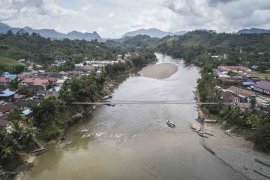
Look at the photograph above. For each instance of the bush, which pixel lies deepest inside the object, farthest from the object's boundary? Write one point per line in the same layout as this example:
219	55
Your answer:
262	137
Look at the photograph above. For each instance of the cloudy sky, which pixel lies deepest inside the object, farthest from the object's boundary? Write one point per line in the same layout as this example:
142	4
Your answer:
112	18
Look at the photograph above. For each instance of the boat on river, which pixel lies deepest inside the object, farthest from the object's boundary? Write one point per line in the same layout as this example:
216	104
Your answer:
170	124
106	97
195	126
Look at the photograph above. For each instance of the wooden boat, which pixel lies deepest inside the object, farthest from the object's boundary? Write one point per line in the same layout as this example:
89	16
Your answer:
170	124
195	127
202	134
262	162
106	97
210	121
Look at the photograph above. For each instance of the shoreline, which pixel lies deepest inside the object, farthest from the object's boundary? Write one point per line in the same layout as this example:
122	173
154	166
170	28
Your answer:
30	159
234	151
237	152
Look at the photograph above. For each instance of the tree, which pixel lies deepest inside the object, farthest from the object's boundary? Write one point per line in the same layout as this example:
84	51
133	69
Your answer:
253	103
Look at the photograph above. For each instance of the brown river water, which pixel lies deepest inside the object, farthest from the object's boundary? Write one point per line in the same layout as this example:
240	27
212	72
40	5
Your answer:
133	141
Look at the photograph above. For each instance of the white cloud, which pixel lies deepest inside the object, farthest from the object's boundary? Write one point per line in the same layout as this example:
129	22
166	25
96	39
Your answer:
87	7
169	15
110	15
100	30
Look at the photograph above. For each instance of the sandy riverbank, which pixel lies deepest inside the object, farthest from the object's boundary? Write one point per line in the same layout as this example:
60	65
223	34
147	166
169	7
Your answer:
237	153
159	71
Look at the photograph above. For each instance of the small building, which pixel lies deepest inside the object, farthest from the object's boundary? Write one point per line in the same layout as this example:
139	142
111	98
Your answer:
248	83
54	91
5	108
235	69
3	120
4	80
243	94
18	97
10	76
27	112
35	82
262	87
229	97
7	95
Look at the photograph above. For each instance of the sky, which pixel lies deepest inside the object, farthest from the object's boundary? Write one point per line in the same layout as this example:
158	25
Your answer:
113	18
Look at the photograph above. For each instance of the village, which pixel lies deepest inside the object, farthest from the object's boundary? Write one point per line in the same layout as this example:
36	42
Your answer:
240	86
29	88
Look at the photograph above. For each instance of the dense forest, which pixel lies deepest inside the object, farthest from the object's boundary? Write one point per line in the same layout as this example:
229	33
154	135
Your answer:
232	49
45	51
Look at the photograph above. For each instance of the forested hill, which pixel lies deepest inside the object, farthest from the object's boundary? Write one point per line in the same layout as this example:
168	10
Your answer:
247	49
244	48
133	43
45	51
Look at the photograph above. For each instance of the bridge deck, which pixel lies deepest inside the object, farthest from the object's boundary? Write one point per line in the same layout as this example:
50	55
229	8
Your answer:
115	102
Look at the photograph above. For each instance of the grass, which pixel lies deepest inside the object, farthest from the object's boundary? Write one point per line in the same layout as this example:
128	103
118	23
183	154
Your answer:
261	75
11	65
4	61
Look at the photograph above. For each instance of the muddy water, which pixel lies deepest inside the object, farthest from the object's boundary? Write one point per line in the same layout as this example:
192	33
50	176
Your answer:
133	141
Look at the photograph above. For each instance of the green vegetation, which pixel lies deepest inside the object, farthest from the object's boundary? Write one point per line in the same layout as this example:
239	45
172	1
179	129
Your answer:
254	123
195	46
45	51
16	138
85	88
54	114
262	75
11	65
198	47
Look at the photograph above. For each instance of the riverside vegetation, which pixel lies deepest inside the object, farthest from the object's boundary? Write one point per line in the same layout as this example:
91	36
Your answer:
248	49
53	115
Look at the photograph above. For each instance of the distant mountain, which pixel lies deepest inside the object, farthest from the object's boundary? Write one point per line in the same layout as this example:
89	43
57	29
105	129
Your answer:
51	33
153	32
253	31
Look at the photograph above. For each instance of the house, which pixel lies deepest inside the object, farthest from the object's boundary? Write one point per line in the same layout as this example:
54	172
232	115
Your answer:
229	97
248	83
235	69
4	80
10	76
60	82
243	94
21	104
27	112
18	97
7	95
5	108
262	87
3	120
35	82
21	60
87	68
54	91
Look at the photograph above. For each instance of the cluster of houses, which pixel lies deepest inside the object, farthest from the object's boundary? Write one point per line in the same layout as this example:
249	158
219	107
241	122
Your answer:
36	84
240	86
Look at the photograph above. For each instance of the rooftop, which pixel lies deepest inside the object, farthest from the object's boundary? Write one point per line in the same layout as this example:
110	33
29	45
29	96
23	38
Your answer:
6	107
4	80
240	91
7	93
263	85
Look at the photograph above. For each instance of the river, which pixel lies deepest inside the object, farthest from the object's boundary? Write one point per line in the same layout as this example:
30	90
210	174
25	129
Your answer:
133	141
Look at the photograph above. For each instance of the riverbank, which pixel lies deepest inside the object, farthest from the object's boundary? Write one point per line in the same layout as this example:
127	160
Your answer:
112	81
133	141
159	71
234	150
237	152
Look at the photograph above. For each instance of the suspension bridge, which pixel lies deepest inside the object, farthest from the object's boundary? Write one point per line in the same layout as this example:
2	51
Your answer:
130	102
